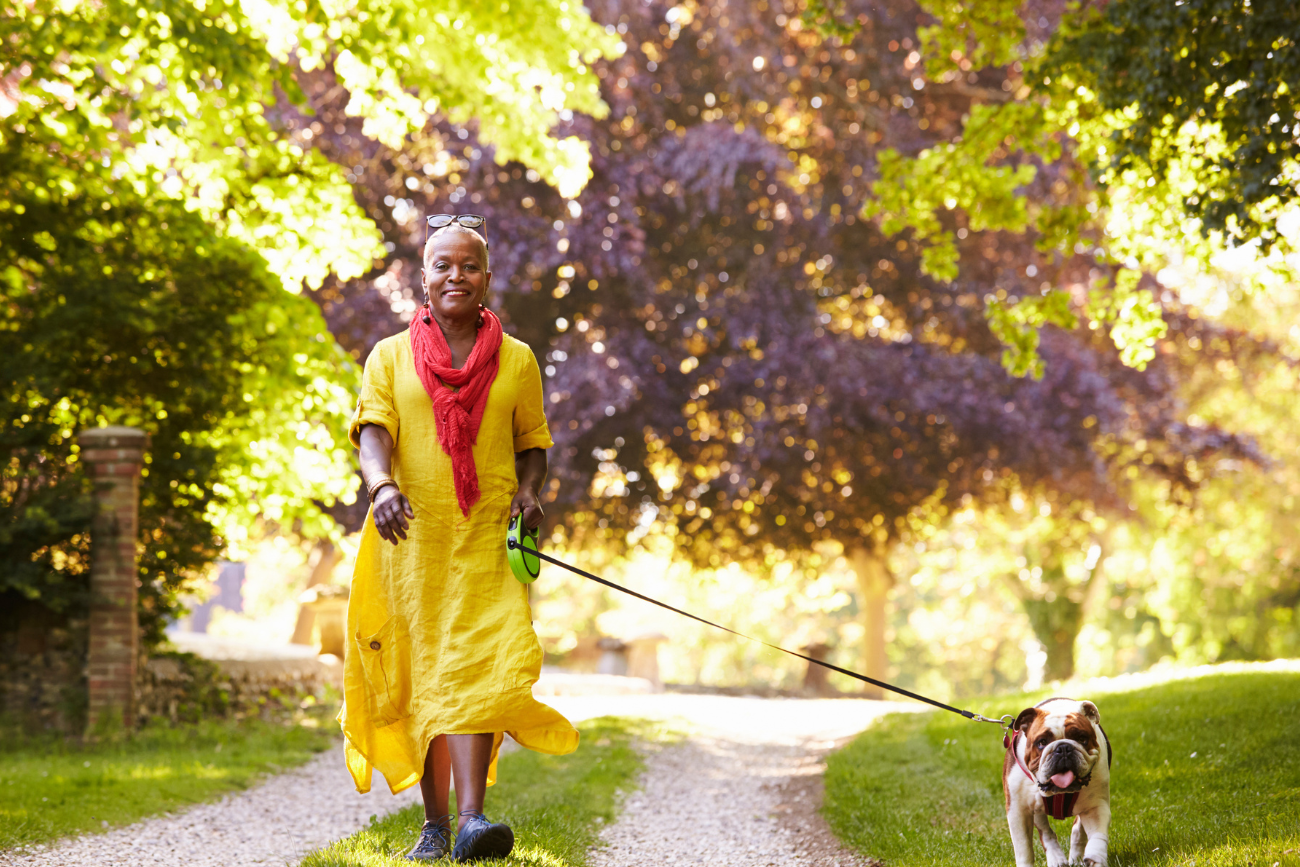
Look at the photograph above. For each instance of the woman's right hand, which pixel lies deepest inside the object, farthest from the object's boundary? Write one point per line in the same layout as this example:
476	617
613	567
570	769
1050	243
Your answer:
393	513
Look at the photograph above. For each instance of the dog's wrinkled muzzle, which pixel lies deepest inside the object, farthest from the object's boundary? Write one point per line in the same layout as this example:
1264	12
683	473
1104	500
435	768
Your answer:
1066	770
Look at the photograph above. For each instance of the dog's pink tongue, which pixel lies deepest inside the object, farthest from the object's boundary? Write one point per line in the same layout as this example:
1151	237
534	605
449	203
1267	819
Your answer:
1062	781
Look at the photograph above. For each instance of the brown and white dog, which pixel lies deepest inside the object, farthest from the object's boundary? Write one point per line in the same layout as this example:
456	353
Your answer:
1058	763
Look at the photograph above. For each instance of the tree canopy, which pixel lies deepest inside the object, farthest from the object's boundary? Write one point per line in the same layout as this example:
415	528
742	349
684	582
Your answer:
1175	121
735	357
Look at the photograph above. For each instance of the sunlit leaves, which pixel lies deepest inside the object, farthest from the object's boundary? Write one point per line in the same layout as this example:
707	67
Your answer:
141	315
513	70
1017	326
1184	119
1134	317
913	193
982	32
1226	64
175	99
173	103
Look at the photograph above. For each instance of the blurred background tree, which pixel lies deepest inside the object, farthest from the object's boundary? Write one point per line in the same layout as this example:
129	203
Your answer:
737	360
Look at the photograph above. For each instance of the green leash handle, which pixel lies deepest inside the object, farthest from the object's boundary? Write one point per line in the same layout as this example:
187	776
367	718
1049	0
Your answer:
521	551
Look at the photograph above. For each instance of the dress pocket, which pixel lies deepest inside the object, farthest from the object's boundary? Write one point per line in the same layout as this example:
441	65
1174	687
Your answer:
386	658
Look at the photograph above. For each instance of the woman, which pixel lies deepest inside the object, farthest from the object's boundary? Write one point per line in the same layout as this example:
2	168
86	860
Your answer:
453	440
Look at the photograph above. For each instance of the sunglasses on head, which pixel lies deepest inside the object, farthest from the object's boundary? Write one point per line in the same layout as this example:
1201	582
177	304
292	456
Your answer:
469	221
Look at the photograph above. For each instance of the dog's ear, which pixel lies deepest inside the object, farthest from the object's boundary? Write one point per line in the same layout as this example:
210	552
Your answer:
1026	719
1091	712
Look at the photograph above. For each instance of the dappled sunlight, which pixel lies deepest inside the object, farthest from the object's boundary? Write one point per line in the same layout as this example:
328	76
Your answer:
65	789
1283	851
536	856
1171	673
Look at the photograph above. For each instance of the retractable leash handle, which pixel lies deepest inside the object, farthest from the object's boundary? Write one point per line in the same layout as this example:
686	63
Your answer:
521	551
518	550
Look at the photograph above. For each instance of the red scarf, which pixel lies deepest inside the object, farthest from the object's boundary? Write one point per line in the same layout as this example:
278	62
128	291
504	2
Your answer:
458	414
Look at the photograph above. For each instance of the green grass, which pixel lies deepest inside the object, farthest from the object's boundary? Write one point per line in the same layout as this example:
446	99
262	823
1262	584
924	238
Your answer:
50	788
1206	773
556	805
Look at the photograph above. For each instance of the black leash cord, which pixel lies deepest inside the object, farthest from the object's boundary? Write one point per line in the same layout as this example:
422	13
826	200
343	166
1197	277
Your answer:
971	715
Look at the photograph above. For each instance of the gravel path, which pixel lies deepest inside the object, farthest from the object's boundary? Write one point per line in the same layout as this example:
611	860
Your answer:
723	803
274	823
743	790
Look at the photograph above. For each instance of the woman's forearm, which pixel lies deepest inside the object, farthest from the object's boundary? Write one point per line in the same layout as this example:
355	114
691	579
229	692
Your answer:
530	469
391	509
376	452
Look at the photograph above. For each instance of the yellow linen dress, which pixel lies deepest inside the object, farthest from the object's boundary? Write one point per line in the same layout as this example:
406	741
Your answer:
442	637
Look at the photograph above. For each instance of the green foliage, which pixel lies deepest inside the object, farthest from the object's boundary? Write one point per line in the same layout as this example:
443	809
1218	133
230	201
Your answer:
1228	67
982	32
170	101
153	202
52	788
554	804
511	67
176	99
911	193
1017	326
927	788
1182	116
1135	317
138	315
829	19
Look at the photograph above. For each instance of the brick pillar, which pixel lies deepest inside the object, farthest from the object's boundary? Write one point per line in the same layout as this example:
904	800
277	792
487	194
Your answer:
113	456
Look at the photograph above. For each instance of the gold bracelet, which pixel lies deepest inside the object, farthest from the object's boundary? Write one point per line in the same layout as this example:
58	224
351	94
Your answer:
380	481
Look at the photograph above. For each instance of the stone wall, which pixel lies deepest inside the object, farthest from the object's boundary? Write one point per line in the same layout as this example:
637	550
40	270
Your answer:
43	669
43	666
89	671
182	687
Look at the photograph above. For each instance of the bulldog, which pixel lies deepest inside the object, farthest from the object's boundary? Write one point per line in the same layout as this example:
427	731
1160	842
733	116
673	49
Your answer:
1058	764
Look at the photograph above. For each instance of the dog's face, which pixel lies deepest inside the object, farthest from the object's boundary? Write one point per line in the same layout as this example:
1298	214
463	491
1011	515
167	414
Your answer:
1063	743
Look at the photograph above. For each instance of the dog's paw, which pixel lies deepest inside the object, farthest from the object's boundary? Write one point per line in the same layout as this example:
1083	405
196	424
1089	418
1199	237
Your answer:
1093	862
1057	859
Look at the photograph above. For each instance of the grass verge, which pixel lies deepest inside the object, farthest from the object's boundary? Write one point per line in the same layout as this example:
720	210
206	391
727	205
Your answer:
50	788
556	805
1206	773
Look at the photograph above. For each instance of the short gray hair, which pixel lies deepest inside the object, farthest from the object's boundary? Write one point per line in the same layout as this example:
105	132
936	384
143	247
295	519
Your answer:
456	228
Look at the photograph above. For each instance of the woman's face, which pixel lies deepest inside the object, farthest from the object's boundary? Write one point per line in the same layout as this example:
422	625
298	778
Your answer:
454	277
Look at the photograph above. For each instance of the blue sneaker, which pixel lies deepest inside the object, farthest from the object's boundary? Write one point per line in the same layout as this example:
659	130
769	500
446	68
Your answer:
435	840
477	839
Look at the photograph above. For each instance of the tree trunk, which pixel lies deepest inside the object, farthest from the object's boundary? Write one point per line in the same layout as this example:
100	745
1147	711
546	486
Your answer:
327	558
1057	615
874	582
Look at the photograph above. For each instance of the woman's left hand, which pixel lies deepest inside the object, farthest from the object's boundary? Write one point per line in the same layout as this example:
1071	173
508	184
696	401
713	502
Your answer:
525	502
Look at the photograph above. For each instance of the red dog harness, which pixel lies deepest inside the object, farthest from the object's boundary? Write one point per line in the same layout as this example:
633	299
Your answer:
1059	805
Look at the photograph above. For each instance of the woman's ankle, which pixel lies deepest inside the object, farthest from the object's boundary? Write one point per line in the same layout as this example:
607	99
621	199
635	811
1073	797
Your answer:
443	820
